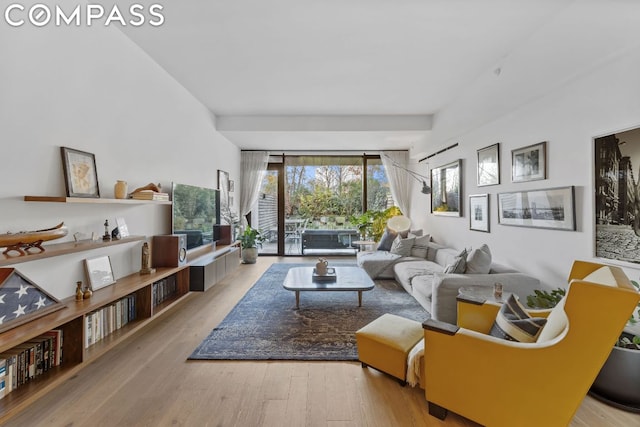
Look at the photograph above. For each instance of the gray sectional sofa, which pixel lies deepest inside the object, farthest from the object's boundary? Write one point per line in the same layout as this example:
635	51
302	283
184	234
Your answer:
429	281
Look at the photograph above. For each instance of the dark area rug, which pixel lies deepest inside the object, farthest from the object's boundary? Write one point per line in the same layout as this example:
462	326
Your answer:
265	325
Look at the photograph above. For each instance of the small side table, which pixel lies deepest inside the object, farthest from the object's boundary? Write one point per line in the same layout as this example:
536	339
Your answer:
481	294
363	244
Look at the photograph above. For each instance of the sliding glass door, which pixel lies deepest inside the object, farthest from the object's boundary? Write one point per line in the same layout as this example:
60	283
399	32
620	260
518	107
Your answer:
311	205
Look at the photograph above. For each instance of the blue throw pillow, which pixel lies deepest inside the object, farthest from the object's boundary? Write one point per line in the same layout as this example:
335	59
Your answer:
386	240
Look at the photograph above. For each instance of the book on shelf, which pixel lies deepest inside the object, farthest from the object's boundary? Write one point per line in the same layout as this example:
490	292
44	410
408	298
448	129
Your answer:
150	195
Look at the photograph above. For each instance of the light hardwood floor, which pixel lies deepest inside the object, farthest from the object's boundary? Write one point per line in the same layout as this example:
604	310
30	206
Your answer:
147	381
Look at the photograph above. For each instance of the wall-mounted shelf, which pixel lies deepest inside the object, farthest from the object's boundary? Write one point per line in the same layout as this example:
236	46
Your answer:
89	200
65	248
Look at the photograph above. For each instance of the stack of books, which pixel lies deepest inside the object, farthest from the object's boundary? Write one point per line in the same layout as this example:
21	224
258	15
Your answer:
150	195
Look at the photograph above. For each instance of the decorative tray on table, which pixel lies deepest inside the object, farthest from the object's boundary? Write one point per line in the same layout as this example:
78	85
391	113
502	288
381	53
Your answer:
329	277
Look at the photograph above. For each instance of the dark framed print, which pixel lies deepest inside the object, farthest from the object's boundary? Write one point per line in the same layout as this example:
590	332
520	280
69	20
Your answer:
529	163
446	182
489	165
616	194
223	186
80	173
552	208
479	212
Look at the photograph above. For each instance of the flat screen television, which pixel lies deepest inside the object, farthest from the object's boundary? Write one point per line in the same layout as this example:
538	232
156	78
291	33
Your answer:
195	212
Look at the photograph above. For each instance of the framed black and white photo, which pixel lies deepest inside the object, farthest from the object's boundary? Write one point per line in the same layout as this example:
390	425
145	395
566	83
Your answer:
529	163
552	208
446	182
489	165
80	174
99	272
479	212
617	196
223	186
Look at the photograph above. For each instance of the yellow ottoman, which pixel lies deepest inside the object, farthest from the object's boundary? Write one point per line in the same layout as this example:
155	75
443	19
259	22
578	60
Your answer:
384	344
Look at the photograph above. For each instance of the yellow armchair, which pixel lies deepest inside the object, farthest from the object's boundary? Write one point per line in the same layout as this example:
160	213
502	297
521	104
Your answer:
504	383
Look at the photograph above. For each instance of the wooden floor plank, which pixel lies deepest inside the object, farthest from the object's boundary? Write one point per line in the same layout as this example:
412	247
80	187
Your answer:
148	381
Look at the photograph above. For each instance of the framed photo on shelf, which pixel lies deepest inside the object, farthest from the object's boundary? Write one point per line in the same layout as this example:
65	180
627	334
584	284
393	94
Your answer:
446	188
99	272
80	173
552	208
489	165
529	163
479	212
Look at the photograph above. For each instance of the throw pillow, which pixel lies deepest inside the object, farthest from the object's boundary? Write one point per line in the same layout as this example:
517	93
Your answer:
459	264
513	323
420	246
479	261
386	240
402	246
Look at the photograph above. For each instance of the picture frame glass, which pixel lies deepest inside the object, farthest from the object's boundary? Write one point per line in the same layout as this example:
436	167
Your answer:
81	176
552	208
617	196
529	163
479	212
489	165
223	186
99	272
446	189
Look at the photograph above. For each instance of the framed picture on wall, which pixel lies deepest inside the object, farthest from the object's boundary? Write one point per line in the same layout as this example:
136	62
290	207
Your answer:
479	212
80	174
223	186
549	208
616	194
489	165
446	182
529	163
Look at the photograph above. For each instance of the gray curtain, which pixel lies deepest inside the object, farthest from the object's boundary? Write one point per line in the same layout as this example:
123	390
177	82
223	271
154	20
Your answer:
399	180
253	166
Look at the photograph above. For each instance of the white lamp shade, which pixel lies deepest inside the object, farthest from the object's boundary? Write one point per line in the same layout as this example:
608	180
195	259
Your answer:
399	223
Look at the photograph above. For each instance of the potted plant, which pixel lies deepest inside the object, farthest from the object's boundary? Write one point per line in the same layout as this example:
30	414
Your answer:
250	240
618	382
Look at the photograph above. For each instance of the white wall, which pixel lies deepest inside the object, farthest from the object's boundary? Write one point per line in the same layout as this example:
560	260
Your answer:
92	89
604	101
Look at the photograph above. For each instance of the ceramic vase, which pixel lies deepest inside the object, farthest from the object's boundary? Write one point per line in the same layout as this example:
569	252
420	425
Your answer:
120	189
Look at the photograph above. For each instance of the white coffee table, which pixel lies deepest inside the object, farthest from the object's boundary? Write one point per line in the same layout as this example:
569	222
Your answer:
300	279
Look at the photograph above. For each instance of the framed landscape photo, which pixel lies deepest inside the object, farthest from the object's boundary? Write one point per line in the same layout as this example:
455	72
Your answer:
529	163
479	212
99	272
80	173
552	208
489	165
446	182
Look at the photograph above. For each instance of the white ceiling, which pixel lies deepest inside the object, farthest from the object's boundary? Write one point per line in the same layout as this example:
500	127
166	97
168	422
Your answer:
287	60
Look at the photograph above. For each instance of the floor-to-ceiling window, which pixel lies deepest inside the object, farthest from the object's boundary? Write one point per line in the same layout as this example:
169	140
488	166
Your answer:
309	204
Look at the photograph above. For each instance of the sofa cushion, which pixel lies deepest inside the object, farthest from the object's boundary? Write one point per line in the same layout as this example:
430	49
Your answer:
457	265
421	246
445	256
423	285
402	246
479	261
405	272
513	323
386	240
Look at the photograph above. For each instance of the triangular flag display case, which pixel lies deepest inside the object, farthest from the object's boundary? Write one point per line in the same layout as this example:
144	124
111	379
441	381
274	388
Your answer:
21	300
